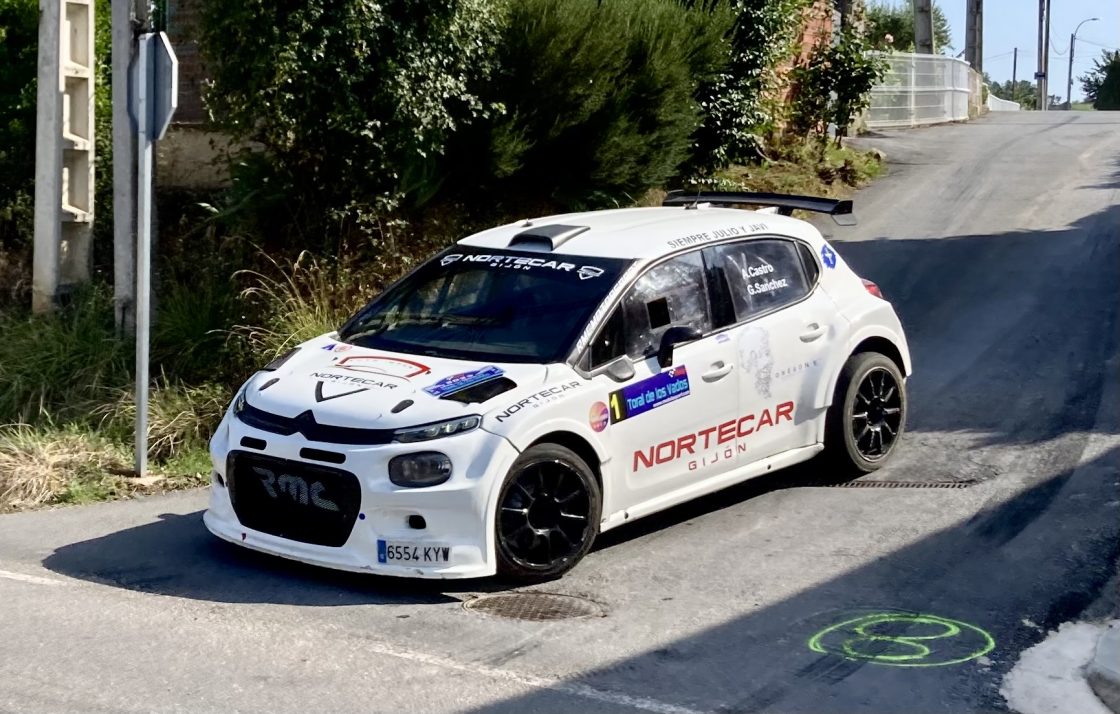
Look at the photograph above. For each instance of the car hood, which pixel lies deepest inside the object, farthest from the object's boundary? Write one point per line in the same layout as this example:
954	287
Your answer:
350	386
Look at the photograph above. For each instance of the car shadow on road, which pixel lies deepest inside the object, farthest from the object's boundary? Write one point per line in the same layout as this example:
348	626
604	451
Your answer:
1011	572
177	556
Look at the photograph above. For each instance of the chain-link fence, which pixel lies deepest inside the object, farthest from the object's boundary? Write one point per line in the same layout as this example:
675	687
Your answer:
924	89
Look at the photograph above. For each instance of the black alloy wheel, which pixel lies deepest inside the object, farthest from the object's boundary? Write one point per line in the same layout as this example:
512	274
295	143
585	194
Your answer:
867	416
876	419
548	513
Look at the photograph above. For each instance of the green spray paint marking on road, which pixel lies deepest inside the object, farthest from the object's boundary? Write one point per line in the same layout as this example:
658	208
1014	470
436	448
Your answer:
903	639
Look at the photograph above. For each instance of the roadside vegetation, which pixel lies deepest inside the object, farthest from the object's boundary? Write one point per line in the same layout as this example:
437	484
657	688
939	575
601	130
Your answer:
380	134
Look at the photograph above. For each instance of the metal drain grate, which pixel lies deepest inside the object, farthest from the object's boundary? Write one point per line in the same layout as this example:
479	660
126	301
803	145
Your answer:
535	607
904	484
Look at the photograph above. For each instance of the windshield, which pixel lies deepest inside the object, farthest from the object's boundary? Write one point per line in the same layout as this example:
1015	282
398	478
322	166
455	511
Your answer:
502	306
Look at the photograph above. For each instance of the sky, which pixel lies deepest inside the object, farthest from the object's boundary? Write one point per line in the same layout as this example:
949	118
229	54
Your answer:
1014	23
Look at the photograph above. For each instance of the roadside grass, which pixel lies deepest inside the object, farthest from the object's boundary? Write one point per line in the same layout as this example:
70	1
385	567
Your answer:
44	466
67	396
1082	107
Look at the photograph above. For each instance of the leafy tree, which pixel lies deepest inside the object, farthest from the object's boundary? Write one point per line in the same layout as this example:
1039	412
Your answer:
1102	83
599	101
897	21
735	100
834	84
351	100
19	40
1024	92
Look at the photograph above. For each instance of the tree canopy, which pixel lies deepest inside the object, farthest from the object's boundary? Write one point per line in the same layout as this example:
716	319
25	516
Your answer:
898	22
1102	83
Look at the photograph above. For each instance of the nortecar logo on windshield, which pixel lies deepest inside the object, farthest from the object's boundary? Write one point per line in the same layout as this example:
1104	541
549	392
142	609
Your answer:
514	262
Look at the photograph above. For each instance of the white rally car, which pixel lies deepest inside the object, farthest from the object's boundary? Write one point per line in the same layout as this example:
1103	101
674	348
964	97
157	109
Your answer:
544	381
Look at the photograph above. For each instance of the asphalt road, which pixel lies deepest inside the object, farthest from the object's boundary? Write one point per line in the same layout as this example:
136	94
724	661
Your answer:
997	242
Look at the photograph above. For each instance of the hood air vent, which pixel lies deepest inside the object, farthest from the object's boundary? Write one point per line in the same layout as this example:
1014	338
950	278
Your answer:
480	393
546	237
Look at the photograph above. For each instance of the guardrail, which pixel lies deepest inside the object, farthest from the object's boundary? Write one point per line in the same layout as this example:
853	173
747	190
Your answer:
995	104
924	89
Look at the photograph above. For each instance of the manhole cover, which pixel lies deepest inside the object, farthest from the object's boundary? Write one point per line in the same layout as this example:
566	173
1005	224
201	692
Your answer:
535	606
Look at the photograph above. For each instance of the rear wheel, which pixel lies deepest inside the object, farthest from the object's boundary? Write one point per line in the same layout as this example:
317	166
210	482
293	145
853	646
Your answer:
548	513
868	414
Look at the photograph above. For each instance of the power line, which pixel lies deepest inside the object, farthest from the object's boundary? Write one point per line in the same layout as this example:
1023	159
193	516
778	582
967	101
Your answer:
1090	42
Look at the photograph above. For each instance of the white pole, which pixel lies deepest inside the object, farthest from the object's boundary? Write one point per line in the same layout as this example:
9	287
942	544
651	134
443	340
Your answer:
48	160
144	97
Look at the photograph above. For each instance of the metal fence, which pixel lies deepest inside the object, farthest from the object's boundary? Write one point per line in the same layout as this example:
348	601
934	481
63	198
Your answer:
995	104
924	89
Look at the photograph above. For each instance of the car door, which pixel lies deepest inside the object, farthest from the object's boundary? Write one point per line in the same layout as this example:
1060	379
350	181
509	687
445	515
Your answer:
664	421
784	329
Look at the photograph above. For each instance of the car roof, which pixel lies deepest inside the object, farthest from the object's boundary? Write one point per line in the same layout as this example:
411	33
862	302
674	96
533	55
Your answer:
637	233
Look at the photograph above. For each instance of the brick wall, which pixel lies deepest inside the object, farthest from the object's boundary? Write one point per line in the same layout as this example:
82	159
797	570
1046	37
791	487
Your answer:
182	29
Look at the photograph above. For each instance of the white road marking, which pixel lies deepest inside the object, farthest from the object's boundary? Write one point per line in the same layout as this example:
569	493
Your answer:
34	579
556	685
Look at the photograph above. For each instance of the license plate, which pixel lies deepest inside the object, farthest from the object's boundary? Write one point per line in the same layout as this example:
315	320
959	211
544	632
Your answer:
412	553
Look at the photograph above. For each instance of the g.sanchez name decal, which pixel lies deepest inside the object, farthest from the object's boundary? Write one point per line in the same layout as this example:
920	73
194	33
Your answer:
535	400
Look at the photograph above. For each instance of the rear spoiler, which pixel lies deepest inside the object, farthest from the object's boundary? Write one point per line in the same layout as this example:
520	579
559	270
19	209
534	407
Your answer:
785	203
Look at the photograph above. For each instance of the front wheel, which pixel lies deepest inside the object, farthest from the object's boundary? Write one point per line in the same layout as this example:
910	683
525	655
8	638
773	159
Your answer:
868	414
548	513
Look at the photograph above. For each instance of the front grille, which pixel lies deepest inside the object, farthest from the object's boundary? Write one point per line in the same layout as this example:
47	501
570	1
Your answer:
302	502
312	430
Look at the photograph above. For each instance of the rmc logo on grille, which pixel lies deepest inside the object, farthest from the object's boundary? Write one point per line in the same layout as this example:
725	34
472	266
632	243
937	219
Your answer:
295	488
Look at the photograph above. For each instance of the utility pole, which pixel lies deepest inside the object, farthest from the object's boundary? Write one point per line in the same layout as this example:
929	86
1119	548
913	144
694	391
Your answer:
1069	77
923	27
974	35
124	169
64	150
1040	75
1015	75
1046	61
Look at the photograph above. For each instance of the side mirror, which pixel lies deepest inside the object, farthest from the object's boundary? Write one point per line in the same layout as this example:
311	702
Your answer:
675	336
621	370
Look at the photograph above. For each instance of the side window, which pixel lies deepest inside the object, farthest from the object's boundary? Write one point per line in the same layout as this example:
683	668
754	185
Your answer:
809	260
761	275
669	294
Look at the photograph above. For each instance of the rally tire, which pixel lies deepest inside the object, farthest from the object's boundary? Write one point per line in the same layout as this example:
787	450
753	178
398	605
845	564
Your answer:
867	417
548	513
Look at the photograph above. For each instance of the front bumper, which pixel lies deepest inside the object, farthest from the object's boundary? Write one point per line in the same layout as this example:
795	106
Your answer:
457	514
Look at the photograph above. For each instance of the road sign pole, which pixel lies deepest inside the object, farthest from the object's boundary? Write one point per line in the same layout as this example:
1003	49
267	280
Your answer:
155	96
143	94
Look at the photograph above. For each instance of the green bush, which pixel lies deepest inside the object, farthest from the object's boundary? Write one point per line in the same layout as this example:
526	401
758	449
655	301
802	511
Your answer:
739	103
350	100
19	41
833	85
599	100
55	367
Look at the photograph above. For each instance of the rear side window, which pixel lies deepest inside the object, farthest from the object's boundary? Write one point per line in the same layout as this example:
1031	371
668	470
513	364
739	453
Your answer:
760	275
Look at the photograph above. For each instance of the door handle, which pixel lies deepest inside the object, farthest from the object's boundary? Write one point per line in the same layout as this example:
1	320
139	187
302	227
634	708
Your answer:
813	331
719	370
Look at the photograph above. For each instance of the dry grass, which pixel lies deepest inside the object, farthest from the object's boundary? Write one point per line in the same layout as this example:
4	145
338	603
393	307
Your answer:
46	466
181	417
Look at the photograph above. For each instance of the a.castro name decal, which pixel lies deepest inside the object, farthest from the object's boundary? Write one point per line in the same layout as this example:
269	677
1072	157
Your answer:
704	445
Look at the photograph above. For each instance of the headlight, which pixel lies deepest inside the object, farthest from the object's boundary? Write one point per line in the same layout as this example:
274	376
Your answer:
436	431
426	468
238	404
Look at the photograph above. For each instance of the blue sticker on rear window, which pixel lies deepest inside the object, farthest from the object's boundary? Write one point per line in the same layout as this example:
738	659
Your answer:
828	256
459	382
640	397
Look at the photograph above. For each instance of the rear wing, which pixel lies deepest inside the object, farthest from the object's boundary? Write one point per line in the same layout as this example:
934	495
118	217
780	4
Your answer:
785	203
